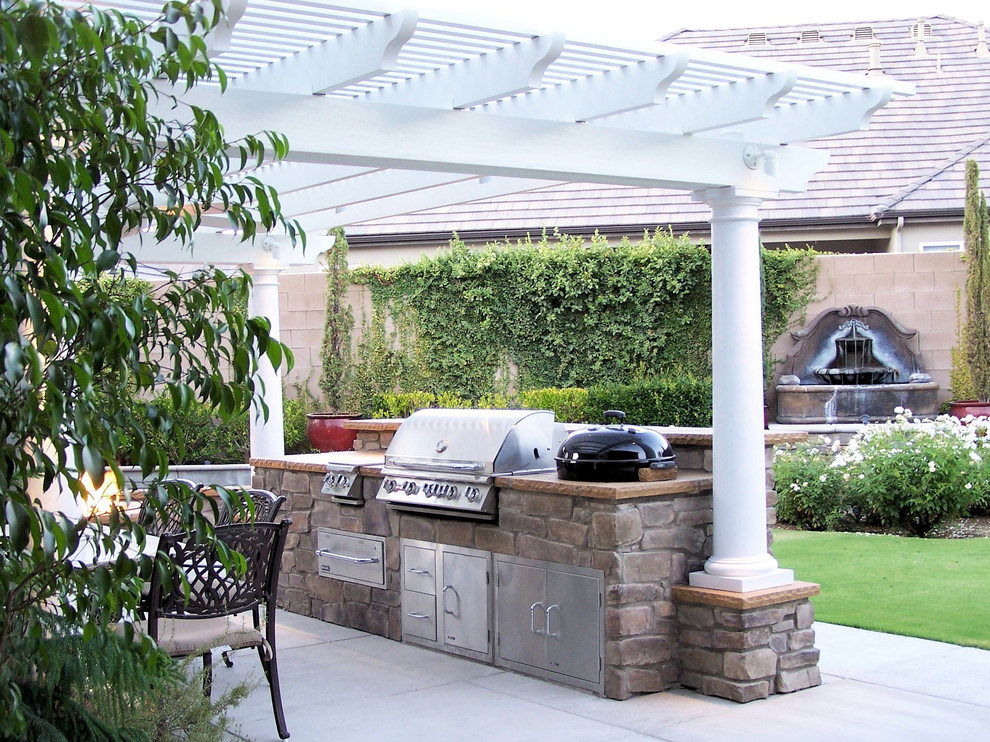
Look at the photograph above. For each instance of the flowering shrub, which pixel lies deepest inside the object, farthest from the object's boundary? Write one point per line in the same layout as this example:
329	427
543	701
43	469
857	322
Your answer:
810	493
907	472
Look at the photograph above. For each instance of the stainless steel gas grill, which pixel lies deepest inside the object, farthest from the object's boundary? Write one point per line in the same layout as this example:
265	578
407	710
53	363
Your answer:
445	461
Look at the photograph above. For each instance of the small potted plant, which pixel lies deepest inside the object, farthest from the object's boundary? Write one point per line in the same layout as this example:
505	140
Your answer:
325	429
970	377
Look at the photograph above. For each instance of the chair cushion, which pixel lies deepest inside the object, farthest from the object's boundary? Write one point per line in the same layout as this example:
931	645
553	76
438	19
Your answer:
181	637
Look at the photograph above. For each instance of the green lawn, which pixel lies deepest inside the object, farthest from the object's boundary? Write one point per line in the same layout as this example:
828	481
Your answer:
932	588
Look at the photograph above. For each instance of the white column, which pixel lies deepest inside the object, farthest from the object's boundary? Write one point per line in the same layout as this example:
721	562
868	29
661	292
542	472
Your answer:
267	436
740	561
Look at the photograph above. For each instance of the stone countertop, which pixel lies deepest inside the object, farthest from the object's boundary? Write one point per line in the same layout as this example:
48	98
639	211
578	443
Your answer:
675	436
369	462
687	482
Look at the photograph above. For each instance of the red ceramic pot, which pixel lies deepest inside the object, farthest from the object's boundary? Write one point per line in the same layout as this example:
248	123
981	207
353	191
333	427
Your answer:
969	407
326	431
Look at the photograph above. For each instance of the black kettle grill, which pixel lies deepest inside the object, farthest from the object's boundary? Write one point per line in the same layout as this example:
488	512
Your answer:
612	453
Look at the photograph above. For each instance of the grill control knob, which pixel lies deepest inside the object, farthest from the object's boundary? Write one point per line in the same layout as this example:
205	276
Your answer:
451	492
429	489
471	493
388	485
410	488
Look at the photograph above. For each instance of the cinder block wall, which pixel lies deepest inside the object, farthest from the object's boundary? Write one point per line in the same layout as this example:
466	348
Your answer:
918	289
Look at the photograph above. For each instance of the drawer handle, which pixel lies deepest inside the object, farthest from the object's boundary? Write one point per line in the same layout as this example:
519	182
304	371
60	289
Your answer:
552	634
532	618
347	558
416	571
420	616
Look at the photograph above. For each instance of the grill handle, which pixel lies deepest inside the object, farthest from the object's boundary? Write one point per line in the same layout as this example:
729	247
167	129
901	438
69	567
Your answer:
396	461
345	557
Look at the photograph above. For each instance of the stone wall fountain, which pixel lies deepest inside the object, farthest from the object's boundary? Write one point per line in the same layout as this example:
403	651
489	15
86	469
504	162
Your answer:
853	364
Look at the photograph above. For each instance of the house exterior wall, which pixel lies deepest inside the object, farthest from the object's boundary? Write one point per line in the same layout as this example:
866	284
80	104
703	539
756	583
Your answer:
918	289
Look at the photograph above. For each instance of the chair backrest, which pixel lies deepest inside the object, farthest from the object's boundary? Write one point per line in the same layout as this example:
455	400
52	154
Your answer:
171	519
266	507
214	590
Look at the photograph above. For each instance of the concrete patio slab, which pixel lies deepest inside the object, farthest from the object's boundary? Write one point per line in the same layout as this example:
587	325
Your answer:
338	683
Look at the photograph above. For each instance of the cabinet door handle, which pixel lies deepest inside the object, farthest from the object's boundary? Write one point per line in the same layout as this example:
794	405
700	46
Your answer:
416	571
420	616
443	595
532	618
551	634
346	557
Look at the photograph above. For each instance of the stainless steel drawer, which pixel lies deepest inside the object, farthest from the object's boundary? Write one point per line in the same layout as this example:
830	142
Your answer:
351	557
419	569
419	616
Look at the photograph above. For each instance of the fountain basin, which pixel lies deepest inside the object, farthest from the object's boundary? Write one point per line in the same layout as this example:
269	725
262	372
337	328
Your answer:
849	403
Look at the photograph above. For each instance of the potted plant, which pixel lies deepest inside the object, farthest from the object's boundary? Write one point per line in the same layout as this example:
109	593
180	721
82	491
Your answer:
970	377
325	429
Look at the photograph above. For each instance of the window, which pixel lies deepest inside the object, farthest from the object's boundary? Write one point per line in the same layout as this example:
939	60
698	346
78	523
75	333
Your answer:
940	246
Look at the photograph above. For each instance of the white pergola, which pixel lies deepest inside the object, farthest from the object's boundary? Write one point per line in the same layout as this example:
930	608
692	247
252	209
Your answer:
389	111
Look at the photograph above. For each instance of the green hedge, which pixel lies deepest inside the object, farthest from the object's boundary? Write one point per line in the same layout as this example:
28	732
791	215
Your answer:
681	400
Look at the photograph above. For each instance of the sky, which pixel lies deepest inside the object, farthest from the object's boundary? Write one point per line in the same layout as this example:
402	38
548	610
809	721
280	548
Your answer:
649	19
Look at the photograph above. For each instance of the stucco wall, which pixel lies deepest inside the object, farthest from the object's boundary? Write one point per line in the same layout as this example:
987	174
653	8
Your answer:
918	289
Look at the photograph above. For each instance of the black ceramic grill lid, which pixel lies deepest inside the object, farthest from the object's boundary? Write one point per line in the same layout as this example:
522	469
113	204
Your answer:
612	452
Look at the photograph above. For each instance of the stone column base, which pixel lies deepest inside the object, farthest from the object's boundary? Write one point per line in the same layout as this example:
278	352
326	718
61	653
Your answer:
746	646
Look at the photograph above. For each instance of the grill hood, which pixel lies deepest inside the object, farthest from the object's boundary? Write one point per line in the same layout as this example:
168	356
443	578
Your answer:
478	442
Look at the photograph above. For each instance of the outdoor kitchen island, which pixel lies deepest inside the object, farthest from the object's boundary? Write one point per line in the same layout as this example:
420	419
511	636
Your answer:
572	581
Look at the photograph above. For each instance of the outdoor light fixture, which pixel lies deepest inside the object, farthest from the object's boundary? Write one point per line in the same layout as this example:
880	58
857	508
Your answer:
99	501
752	155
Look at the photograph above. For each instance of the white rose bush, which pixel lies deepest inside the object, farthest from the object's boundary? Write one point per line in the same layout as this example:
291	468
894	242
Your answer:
907	473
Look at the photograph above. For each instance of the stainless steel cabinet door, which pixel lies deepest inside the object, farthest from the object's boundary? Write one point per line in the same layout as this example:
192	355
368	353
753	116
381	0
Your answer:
463	600
573	624
521	613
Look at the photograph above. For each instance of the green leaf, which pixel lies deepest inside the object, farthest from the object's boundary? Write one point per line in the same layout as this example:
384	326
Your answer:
18	524
93	464
33	34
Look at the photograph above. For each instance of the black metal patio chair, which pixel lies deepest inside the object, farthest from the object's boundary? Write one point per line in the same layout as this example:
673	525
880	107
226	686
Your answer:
223	609
266	507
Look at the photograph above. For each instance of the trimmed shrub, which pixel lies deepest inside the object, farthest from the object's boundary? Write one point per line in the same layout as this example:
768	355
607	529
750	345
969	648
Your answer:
569	405
206	438
680	399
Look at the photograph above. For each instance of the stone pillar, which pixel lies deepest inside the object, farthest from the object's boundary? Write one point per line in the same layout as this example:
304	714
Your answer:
747	647
267	436
740	561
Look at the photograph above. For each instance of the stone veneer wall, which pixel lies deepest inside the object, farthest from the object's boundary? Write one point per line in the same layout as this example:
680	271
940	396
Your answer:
746	648
646	547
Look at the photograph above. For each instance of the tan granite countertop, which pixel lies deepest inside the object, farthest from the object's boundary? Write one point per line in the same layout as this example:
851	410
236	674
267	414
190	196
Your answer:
687	482
370	462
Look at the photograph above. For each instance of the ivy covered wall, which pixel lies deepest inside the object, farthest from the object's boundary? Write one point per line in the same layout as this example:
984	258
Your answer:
554	313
